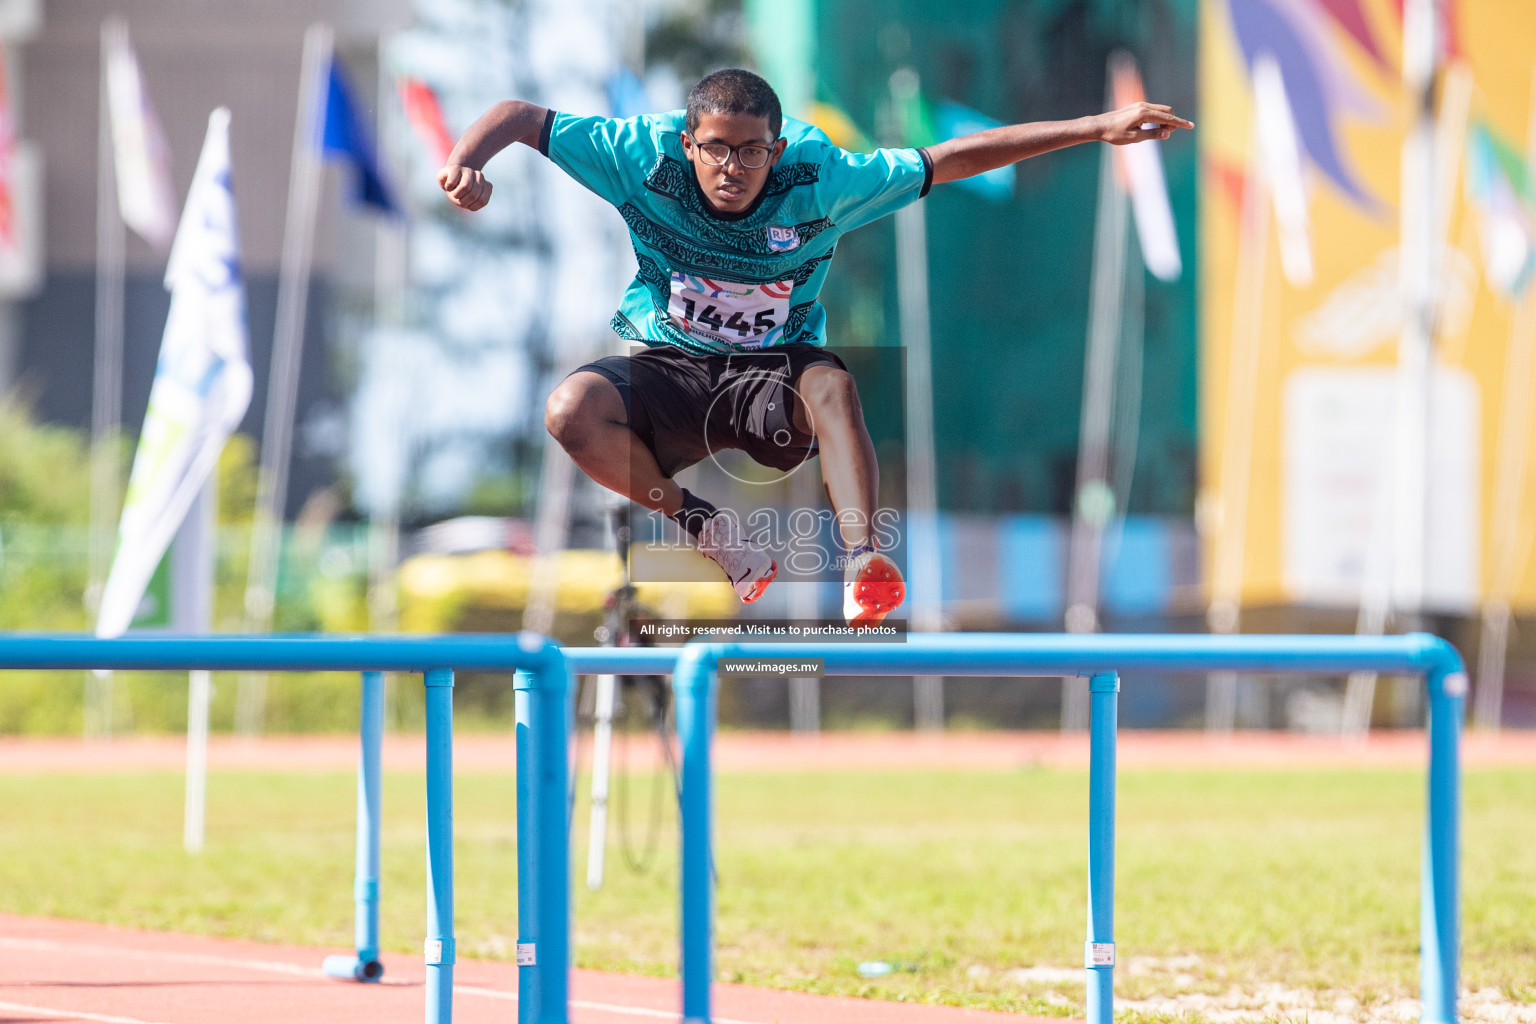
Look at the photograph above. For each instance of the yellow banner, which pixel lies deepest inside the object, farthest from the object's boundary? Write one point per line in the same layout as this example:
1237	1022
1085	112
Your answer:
1303	307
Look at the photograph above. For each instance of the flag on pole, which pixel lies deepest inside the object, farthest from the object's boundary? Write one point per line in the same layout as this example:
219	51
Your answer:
341	134
1500	188
838	126
1140	167
924	123
142	162
202	381
627	96
10	232
1281	147
1447	35
425	115
954	120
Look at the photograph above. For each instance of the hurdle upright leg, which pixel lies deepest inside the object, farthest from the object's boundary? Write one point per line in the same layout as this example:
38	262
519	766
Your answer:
365	966
1099	958
544	721
440	952
694	687
1440	899
369	798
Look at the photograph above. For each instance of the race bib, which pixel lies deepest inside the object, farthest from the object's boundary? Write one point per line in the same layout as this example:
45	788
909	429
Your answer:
734	315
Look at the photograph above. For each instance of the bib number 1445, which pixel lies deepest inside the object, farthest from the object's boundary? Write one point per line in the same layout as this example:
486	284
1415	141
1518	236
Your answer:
737	315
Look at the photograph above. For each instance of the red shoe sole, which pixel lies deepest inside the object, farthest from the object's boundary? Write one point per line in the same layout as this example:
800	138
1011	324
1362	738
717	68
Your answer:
762	584
877	598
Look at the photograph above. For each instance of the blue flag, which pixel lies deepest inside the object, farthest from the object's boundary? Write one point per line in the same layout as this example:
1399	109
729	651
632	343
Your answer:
626	94
342	135
954	120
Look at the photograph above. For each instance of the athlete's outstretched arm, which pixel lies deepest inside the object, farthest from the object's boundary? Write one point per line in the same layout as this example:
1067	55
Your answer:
507	122
998	147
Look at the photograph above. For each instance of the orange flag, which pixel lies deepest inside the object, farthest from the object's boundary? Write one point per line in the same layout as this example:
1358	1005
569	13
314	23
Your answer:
426	117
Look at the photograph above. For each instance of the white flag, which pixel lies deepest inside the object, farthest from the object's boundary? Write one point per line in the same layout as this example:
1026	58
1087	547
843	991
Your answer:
202	382
1281	148
142	162
1141	171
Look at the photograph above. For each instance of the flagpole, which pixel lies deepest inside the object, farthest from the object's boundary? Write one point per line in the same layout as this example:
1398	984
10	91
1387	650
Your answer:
1449	139
1509	488
202	388
1418	220
1243	361
391	271
390	281
287	356
192	568
106	382
804	604
557	481
557	472
924	560
1093	502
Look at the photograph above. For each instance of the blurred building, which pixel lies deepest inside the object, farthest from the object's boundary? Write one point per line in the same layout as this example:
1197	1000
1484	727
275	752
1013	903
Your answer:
194	56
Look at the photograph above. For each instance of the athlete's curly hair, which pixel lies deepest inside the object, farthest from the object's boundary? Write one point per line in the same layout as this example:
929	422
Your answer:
734	91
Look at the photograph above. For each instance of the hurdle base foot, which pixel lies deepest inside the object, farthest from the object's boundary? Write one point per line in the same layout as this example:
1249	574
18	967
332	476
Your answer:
352	968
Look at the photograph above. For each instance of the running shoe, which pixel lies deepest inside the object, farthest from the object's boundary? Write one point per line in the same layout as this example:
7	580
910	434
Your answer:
749	568
872	588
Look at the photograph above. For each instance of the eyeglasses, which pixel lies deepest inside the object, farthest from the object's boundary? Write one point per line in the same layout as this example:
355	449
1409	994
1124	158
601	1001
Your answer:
751	155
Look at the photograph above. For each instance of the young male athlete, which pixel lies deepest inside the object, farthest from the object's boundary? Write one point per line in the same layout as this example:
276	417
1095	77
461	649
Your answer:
734	212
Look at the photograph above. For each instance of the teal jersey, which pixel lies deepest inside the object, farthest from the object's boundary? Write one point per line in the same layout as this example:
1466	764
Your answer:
714	283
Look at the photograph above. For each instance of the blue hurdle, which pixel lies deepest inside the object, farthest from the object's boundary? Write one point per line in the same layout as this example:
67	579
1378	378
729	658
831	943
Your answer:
545	710
544	717
1100	658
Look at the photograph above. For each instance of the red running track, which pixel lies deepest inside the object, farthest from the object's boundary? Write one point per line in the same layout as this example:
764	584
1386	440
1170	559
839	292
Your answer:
68	971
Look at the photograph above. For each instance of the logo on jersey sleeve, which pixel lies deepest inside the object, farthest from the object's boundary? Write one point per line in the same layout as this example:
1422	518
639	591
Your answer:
782	238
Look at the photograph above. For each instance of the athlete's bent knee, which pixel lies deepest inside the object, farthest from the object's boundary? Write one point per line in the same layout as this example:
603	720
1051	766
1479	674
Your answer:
829	391
570	413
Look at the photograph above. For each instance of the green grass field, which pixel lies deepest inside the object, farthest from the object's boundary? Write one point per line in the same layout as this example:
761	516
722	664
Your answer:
959	879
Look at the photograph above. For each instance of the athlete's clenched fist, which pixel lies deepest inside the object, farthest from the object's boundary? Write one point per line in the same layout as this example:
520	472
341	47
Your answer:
466	186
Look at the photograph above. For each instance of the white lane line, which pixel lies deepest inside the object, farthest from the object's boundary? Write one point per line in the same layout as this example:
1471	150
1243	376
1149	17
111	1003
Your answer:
295	970
101	1018
488	993
636	1011
204	959
587	1004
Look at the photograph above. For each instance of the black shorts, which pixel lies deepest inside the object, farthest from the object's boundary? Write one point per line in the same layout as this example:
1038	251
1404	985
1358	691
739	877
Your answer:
684	407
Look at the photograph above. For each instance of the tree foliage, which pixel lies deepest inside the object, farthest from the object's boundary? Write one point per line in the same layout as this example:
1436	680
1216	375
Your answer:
698	38
45	472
